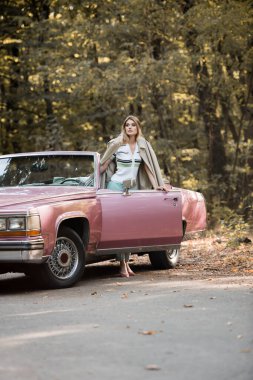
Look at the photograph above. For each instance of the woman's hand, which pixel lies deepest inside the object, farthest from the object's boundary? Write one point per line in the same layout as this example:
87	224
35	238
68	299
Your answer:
165	187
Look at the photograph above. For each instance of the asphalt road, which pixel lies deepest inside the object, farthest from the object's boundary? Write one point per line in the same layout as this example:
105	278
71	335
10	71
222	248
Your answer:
145	327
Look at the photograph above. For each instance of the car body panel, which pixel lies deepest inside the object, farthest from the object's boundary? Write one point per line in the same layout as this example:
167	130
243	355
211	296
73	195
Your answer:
193	211
106	221
142	218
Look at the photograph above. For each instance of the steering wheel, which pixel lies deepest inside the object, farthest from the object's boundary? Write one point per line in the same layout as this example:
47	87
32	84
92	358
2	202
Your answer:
70	180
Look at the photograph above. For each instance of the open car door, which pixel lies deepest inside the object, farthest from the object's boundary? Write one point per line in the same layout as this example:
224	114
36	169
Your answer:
144	220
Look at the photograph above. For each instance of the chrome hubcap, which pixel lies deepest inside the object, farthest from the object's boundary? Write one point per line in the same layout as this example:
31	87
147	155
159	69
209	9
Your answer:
172	253
64	260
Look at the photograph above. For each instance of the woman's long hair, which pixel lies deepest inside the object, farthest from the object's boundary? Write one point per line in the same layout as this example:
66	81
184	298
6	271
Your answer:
125	138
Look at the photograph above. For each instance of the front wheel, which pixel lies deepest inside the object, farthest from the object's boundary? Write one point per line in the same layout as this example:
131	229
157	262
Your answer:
164	259
66	264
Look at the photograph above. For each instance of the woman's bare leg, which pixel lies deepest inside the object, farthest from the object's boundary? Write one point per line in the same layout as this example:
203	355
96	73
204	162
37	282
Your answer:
123	268
129	270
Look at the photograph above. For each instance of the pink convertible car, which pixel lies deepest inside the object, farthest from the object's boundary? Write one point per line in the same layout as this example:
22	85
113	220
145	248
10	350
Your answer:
55	218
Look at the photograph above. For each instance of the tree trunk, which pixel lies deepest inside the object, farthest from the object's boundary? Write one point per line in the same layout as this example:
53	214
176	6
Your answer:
54	132
12	143
207	107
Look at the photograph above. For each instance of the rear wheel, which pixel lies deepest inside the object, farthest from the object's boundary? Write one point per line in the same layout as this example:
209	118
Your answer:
164	259
66	264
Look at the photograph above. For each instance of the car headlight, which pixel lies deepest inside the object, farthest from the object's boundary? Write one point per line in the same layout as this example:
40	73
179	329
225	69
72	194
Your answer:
21	225
3	224
17	224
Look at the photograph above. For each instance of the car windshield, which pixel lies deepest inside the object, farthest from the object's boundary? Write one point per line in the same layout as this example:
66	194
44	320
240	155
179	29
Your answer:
41	170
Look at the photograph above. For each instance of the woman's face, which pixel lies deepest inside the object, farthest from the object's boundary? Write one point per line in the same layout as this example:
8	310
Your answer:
131	128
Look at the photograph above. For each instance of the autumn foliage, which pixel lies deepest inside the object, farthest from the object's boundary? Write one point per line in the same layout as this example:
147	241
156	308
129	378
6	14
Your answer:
72	70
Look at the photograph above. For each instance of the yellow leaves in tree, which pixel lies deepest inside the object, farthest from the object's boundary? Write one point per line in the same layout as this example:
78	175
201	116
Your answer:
87	126
7	41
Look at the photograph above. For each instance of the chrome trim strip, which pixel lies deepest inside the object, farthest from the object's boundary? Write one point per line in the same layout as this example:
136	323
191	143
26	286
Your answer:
11	214
105	191
51	153
115	251
22	244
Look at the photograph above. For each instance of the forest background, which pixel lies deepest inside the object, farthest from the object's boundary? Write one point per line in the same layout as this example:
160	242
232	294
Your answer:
71	71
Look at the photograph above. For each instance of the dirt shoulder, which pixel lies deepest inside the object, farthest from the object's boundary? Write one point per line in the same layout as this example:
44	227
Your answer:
208	258
213	256
205	258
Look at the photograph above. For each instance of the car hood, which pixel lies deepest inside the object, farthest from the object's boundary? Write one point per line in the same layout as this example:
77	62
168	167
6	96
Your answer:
18	196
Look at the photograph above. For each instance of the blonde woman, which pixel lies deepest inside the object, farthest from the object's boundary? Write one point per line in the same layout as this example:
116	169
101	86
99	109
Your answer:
130	156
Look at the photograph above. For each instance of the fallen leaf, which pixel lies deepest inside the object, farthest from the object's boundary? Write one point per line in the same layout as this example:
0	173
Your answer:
246	350
94	293
124	295
212	298
148	332
152	367
188	306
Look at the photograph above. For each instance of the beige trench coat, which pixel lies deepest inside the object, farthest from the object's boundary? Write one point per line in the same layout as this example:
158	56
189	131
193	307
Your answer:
149	174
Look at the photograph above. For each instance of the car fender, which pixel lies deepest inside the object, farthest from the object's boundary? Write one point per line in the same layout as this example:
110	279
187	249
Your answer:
51	223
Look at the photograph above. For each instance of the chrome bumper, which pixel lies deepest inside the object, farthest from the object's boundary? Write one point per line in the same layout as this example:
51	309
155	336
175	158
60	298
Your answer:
22	251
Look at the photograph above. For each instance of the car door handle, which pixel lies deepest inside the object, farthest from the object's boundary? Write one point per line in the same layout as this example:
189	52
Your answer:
173	201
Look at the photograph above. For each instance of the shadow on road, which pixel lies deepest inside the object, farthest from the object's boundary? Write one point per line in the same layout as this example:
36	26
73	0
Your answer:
16	283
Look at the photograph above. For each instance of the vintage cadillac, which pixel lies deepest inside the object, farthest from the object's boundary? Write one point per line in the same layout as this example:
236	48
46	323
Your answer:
55	218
